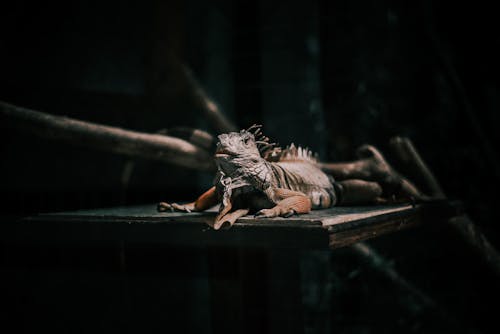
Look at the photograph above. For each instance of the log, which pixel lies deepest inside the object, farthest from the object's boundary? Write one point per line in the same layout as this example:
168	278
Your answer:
212	111
477	240
108	138
406	152
385	267
196	137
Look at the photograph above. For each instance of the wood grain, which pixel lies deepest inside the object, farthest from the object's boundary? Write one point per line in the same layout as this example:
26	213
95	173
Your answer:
320	229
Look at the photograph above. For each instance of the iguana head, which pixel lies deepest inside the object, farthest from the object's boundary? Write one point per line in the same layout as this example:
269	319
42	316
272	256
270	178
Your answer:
236	150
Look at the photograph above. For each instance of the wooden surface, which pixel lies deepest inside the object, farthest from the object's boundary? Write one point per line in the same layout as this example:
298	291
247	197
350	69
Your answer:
331	228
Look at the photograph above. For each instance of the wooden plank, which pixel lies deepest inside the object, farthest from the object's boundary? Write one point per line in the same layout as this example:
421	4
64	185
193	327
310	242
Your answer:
370	226
327	217
356	214
392	224
320	229
137	224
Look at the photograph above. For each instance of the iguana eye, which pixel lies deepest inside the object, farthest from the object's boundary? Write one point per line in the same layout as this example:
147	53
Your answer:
246	140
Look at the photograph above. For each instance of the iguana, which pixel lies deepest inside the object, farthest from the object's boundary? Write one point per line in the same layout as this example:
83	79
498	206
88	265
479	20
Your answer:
256	176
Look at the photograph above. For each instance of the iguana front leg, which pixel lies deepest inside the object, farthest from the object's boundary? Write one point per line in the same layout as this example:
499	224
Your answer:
204	202
288	202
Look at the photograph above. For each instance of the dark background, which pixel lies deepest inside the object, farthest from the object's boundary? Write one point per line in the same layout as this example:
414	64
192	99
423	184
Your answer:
331	75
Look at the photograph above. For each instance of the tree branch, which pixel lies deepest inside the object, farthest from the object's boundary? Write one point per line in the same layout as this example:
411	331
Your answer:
218	120
384	266
108	138
406	152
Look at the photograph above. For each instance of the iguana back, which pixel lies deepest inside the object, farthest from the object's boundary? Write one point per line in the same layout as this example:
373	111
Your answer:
295	168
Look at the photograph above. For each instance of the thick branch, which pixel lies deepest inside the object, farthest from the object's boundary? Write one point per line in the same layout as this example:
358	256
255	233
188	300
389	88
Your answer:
196	137
407	153
207	105
108	138
473	235
384	266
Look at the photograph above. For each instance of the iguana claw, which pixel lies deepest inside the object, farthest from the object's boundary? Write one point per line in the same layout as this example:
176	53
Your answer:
263	214
274	212
174	207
